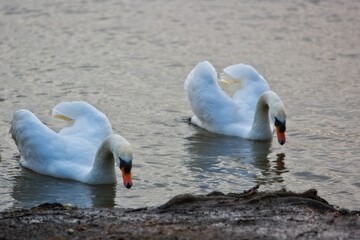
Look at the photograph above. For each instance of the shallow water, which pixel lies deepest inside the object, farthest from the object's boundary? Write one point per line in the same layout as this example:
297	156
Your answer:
130	59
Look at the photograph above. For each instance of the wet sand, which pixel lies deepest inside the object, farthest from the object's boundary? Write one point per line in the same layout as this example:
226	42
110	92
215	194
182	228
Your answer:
248	215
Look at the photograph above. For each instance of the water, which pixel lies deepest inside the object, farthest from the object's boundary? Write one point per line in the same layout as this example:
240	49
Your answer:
130	59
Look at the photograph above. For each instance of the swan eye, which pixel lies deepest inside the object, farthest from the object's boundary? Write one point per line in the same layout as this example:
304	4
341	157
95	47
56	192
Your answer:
126	165
281	125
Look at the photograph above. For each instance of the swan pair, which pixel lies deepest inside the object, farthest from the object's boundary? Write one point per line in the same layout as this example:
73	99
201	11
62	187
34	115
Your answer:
239	104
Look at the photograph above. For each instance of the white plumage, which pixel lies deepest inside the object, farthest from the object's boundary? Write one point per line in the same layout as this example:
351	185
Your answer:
85	150
239	104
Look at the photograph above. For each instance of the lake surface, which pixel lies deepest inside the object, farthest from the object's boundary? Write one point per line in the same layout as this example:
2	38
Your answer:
130	59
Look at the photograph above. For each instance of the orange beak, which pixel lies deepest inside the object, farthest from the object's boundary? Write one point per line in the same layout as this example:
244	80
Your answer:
127	179
280	135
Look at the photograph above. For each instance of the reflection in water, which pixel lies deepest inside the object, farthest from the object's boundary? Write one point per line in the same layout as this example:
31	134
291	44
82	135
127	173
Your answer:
31	189
212	153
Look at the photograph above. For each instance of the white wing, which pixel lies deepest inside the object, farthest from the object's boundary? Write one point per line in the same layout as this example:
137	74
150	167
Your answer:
213	108
37	144
245	85
85	122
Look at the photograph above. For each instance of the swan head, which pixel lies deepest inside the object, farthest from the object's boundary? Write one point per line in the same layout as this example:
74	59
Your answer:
125	167
280	130
124	161
123	156
278	115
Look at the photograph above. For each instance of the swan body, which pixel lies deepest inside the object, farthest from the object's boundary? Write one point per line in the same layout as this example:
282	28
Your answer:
86	150
240	103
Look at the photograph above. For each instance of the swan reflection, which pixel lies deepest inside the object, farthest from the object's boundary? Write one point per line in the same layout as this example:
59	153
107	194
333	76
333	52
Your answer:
234	160
31	189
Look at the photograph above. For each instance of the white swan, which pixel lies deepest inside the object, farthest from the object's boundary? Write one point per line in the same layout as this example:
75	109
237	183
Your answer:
84	151
239	104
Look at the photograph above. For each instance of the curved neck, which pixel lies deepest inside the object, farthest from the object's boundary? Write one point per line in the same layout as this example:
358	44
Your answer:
103	169
261	128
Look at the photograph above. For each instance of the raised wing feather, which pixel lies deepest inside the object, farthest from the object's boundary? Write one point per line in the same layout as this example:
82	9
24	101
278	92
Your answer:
86	122
212	107
246	86
35	141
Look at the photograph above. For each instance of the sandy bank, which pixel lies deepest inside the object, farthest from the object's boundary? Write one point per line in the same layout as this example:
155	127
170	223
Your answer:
247	215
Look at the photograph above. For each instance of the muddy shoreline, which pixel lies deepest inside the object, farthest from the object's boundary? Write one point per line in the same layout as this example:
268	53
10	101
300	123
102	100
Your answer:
248	215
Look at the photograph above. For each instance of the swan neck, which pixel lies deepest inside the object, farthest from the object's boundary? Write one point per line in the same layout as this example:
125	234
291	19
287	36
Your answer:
103	166
104	154
261	128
